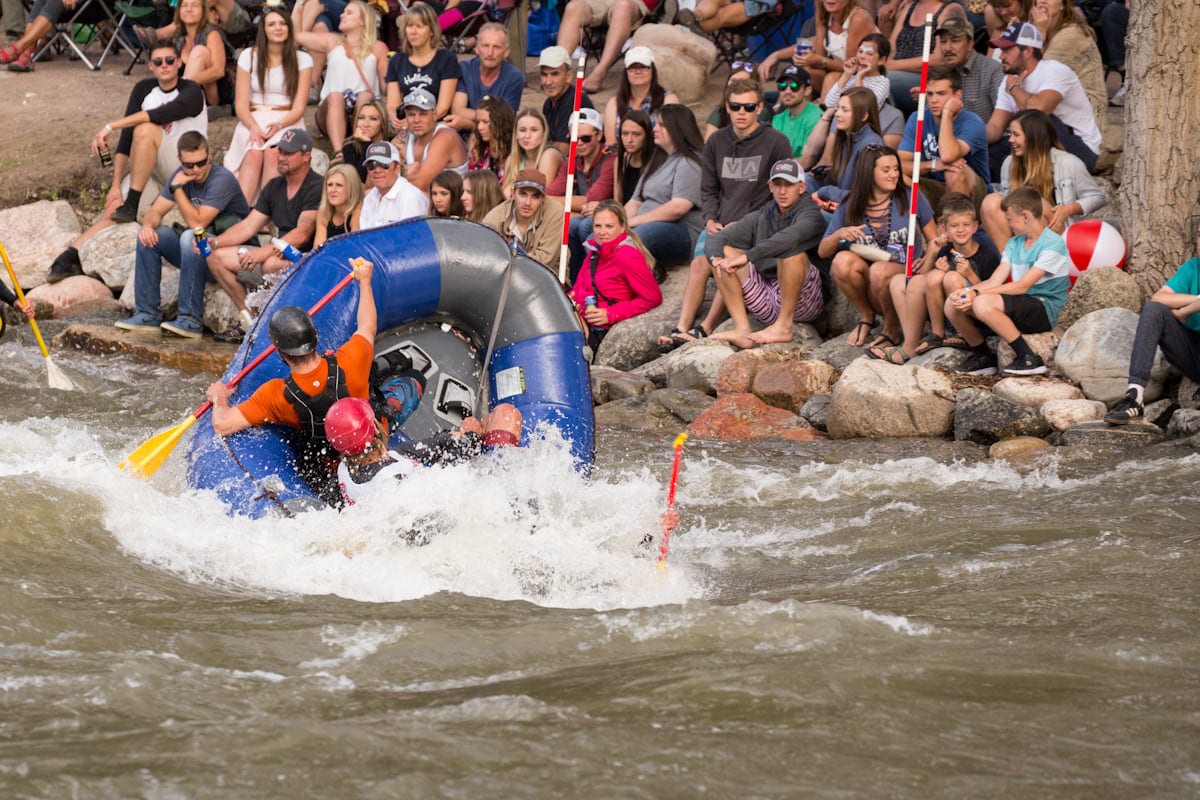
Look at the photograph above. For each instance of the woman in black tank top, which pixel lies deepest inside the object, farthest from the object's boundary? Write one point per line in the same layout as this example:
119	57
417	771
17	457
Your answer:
908	38
341	202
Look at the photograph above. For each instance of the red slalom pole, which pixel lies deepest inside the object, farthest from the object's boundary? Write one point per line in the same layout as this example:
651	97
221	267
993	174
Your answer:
564	252
918	145
666	537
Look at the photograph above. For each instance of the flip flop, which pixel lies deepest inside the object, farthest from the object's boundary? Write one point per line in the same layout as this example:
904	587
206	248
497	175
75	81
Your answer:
883	339
889	355
677	338
862	323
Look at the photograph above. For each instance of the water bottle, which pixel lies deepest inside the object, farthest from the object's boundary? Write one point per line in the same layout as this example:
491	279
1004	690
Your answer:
202	242
286	250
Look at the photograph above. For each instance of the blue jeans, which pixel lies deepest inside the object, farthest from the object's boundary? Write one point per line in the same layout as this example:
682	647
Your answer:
1114	22
669	242
193	274
902	85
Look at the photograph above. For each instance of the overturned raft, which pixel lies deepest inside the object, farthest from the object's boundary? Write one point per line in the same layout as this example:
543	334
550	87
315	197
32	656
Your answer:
443	289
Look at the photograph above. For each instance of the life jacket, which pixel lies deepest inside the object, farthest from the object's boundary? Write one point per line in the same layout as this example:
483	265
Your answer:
311	409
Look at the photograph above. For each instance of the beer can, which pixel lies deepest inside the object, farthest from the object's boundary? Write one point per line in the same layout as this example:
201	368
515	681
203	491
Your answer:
590	301
202	242
106	157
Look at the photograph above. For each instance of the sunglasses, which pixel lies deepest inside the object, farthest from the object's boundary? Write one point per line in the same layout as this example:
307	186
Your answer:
586	138
374	165
793	85
194	164
744	66
638	66
168	60
742	106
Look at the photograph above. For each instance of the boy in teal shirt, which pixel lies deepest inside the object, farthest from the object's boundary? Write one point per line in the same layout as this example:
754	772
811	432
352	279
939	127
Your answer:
798	117
1038	261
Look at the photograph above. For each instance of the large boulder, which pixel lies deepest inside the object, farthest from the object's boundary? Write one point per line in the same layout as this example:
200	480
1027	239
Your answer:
220	314
737	372
78	294
1043	344
737	417
109	255
837	353
1101	434
693	366
1094	353
1035	392
630	343
667	410
1063	414
1189	394
33	234
980	416
790	384
610	384
684	60
816	411
684	404
1184	423
1097	288
874	399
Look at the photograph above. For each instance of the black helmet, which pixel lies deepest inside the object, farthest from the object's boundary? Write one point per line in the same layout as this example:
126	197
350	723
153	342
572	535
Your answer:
292	331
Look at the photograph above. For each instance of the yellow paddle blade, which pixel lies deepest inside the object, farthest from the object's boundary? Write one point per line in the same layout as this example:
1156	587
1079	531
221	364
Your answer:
146	460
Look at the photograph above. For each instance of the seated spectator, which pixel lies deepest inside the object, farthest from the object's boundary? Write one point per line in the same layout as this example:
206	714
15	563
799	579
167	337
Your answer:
530	150
866	69
289	202
957	257
621	16
1071	41
1114	25
954	154
1032	82
761	265
489	74
557	77
636	154
160	110
1036	259
491	139
798	115
422	63
391	198
593	181
445	195
273	78
719	117
202	49
663	210
639	90
999	14
530	222
481	193
868	239
619	278
429	146
227	15
1170	321
356	70
370	126
43	16
1068	191
908	44
840	28
208	196
856	127
981	76
341	204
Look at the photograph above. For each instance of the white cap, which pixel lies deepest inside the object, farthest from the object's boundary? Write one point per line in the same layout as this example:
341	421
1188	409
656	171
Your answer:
639	55
590	116
554	57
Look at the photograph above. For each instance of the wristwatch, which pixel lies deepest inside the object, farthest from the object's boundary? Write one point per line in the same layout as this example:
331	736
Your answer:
175	187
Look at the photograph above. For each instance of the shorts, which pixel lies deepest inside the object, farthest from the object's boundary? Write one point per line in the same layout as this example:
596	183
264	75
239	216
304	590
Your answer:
1027	313
762	296
332	13
602	10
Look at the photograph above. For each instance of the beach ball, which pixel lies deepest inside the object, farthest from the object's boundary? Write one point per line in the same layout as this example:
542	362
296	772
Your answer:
1094	243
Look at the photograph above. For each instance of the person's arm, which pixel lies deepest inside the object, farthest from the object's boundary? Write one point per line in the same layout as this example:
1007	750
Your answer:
997	124
226	419
461	116
710	186
187	104
313	41
148	235
421	174
446	92
319	235
381	64
241	230
768	65
241	106
363	270
299	102
950	148
673	210
304	232
645	290
550	163
610	121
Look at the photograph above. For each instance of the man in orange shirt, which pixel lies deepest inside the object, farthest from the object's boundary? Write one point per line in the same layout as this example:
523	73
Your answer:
316	382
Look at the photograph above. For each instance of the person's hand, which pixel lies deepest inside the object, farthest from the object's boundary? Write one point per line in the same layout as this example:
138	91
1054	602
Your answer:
963	299
952	107
100	141
809	60
1059	216
953	167
148	235
257	255
1181	313
887	11
596	316
826	205
766	68
589	208
113	200
218	394
670	519
942	264
1039	15
850	65
851	233
363	270
713	227
25	307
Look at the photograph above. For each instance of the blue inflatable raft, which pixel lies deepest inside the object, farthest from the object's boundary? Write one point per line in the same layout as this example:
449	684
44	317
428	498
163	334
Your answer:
445	290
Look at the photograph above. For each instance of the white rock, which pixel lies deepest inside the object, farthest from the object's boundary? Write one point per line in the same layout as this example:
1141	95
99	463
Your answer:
33	235
693	366
684	60
77	294
1034	392
1095	354
109	255
874	399
1062	414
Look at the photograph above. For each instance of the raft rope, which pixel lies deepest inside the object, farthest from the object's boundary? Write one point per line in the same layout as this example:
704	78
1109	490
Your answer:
499	315
270	494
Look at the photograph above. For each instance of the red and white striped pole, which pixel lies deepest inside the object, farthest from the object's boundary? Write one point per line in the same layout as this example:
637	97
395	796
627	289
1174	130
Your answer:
918	146
564	253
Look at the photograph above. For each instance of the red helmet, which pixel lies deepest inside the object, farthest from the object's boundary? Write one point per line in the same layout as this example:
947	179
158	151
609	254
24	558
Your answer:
350	425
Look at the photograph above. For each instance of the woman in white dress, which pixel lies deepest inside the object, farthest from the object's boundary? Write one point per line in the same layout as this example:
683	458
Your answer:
273	79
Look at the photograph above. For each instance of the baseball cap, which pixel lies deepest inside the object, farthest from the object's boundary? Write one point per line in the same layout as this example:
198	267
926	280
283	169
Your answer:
793	73
956	28
294	140
420	99
382	153
1019	34
639	55
530	178
787	169
554	57
590	116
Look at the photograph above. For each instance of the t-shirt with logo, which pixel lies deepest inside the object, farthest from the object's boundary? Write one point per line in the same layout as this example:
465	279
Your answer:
444	66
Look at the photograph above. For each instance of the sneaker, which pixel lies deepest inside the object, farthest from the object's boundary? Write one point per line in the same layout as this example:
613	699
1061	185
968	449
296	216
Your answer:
185	327
978	364
65	265
1126	410
1025	365
124	214
1118	99
234	335
246	320
141	322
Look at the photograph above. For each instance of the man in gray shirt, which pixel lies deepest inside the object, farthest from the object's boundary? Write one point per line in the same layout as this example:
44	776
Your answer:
981	75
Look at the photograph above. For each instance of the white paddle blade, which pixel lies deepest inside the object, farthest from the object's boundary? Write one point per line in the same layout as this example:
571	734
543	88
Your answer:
58	379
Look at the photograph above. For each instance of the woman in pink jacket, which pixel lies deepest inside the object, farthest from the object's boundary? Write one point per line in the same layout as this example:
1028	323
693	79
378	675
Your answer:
617	278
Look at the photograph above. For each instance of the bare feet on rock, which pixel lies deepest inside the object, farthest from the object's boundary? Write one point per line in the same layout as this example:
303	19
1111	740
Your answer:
741	339
775	333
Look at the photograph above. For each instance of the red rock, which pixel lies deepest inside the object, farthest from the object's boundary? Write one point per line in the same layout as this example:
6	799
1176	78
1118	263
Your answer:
738	370
737	417
789	385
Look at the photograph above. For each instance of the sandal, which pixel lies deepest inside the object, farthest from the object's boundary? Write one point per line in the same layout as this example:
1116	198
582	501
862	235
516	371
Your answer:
862	323
22	64
956	341
930	342
889	355
9	54
677	338
883	339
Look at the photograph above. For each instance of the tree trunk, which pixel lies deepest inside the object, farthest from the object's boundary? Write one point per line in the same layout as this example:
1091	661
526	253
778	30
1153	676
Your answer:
1159	197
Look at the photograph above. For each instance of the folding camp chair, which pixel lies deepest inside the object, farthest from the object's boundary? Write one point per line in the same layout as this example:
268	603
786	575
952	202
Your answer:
491	11
732	42
85	21
594	37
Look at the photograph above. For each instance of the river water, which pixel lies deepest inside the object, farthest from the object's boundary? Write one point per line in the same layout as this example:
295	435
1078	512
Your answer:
836	620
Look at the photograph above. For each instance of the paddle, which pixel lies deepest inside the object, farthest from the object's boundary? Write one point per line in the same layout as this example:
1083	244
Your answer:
54	375
147	459
666	537
918	144
564	251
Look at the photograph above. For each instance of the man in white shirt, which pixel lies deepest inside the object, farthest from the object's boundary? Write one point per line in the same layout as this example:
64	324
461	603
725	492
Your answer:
1048	86
391	198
